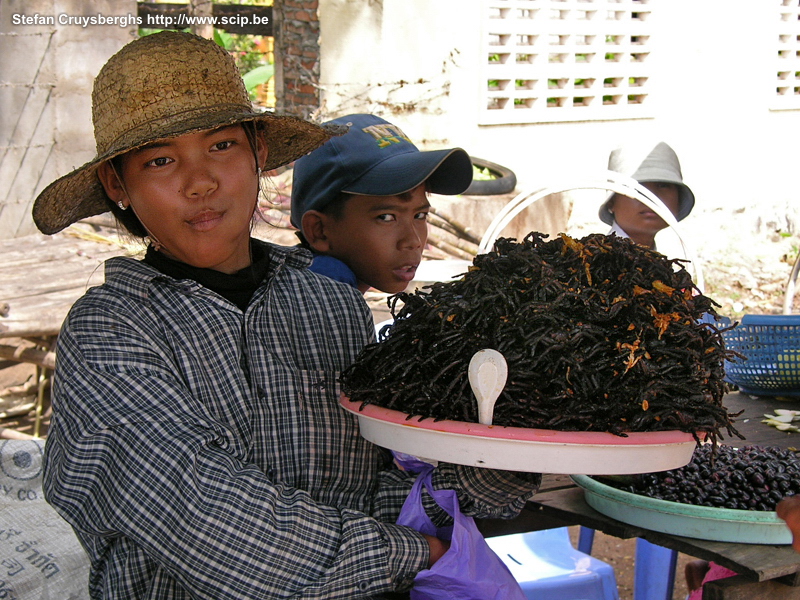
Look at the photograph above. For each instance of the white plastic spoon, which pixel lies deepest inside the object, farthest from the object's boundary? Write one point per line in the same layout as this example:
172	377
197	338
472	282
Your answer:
488	372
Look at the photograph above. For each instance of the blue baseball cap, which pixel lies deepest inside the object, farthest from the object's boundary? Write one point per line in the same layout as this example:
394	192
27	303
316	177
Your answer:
374	158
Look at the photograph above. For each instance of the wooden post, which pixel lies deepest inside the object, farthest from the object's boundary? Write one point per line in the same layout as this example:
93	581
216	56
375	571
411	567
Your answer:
26	354
201	9
7	433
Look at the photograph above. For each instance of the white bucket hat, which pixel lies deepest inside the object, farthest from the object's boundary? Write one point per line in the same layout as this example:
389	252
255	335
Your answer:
653	162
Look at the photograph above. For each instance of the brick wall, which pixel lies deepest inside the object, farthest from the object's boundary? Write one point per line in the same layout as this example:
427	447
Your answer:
297	56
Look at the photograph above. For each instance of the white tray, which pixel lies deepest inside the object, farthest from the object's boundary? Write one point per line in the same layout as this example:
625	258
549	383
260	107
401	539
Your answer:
688	520
521	449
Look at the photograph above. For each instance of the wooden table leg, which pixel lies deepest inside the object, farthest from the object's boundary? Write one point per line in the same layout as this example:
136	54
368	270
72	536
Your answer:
743	588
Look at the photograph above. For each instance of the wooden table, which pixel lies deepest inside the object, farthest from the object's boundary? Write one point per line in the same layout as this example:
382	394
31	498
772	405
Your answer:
764	571
40	279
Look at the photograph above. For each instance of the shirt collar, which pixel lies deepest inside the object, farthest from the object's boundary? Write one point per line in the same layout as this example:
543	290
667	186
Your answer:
620	232
134	277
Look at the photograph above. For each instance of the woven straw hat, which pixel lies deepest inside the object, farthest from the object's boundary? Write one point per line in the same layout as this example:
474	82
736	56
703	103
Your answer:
646	162
161	86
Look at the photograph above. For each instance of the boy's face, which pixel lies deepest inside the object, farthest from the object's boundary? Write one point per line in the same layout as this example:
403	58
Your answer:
381	238
635	217
195	194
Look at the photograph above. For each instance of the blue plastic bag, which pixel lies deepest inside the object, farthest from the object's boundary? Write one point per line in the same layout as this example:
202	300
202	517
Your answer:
469	570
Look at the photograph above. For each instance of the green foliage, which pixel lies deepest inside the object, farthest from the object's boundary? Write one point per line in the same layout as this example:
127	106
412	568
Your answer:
249	58
257	76
223	39
792	255
484	174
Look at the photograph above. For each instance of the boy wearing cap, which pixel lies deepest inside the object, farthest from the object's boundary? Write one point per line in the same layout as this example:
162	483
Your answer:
657	168
360	202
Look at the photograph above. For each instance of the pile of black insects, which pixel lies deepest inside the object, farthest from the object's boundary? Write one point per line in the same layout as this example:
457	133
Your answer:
599	335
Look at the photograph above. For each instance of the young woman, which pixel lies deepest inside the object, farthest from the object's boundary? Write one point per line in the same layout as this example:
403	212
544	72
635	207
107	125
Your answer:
197	446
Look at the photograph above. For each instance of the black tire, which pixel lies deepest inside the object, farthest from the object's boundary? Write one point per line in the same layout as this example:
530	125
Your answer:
504	183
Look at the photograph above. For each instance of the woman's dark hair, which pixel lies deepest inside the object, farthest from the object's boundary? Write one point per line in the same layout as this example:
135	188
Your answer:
127	218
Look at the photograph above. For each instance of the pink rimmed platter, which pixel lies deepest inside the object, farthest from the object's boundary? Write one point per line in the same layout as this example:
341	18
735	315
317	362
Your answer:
522	449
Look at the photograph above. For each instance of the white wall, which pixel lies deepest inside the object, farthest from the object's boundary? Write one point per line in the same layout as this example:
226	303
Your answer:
713	65
46	76
417	62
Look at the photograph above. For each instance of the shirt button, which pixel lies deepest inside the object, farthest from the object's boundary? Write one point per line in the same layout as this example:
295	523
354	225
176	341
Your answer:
363	586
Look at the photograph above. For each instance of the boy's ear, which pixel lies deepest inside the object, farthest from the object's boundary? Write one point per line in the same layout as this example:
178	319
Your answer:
313	225
111	183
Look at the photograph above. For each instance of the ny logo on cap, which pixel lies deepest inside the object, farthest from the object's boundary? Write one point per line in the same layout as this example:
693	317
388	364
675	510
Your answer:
386	134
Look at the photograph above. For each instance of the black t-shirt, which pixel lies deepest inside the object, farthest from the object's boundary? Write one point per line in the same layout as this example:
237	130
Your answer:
237	287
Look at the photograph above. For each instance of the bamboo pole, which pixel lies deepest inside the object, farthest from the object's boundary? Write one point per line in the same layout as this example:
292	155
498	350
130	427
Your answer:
203	10
462	230
12	434
436	221
449	248
464	249
42	384
41	358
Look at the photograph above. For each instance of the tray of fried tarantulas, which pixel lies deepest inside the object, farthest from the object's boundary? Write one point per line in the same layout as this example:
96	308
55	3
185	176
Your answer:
575	356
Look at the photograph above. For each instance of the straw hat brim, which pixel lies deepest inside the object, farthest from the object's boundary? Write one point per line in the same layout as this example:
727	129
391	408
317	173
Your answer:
80	194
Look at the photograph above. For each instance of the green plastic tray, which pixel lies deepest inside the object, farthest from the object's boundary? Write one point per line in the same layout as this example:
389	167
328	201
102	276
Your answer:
688	520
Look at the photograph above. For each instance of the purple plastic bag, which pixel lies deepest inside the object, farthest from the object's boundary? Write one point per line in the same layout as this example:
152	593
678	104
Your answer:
469	570
409	463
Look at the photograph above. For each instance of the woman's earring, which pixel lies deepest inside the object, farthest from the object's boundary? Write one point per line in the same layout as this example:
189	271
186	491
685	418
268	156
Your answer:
121	205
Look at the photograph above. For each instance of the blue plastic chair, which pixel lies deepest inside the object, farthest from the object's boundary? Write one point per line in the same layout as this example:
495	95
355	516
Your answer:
547	566
654	571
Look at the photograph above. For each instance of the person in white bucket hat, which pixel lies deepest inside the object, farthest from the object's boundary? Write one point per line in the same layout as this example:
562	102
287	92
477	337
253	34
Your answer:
656	167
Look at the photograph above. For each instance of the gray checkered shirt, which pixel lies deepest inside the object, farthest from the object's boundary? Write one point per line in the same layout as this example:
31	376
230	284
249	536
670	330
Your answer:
200	452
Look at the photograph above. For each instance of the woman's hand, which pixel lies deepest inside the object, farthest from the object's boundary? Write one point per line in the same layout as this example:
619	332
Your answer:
788	509
438	548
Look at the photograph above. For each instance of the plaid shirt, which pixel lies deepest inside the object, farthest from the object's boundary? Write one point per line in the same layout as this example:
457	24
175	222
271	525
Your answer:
200	452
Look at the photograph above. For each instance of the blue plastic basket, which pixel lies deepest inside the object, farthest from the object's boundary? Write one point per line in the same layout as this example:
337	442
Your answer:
771	346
